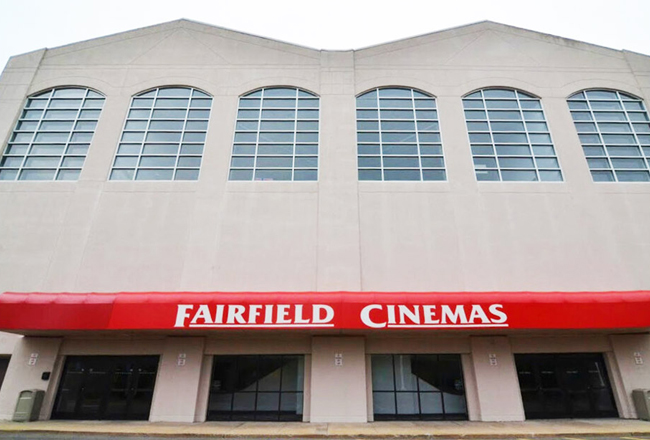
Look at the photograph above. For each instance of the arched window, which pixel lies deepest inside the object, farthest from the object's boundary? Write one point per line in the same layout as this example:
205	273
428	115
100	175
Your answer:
614	130
398	136
52	136
509	137
163	135
276	136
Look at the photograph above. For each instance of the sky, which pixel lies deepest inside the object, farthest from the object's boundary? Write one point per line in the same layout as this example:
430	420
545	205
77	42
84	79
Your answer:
27	25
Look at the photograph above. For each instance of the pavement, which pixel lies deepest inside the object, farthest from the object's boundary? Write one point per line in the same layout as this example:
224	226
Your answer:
519	430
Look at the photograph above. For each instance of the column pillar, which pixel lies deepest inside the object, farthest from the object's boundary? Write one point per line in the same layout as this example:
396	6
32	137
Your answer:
499	397
632	356
31	358
338	380
177	383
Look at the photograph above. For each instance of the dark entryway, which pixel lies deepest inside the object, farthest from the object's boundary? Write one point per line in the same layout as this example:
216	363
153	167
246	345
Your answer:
106	388
4	363
257	388
418	387
567	385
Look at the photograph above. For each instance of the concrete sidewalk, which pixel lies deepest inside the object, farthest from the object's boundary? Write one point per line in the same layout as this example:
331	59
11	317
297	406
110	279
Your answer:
551	428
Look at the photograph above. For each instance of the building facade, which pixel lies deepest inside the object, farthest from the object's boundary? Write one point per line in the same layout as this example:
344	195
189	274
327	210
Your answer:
199	224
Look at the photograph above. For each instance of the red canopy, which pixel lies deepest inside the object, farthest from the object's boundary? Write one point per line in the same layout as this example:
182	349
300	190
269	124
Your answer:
334	310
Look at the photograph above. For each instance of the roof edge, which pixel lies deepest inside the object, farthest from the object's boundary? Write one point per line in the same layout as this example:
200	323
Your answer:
488	23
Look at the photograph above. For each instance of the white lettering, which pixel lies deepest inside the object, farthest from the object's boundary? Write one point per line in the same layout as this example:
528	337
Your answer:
391	314
453	317
218	316
268	314
182	315
253	313
429	313
316	313
298	319
413	315
496	309
235	313
204	314
477	312
365	316
283	314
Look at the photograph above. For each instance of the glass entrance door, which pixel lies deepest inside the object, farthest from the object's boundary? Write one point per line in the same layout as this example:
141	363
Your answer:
418	387
106	388
567	385
251	387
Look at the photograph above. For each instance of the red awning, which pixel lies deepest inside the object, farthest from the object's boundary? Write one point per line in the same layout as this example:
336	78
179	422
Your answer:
25	312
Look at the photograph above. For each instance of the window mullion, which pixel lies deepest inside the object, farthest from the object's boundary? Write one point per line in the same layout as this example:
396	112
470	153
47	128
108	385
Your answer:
600	136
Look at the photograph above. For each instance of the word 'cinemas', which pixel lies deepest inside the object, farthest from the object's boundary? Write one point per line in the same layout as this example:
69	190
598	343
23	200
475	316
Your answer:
324	315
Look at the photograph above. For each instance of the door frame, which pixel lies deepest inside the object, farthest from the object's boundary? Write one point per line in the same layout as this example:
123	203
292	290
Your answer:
609	379
61	369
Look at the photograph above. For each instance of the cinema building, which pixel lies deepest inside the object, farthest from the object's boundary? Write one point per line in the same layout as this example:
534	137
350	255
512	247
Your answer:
198	224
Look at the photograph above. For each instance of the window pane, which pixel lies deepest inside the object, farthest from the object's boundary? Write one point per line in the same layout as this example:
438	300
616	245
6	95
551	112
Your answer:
501	104
68	174
606	105
547	163
434	175
276	134
504	115
166	114
73	162
499	93
273	174
163	174
402	175
11	162
370	175
157	161
623	151
166	125
182	174
306	162
628	163
163	102
598	163
511	137
594	151
198	114
550	176
121	174
603	176
189	162
125	162
410	387
400	149
484	162
240	174
45	143
305	175
611	114
632	176
369	162
37	174
164	130
513	150
520	176
483	175
397	135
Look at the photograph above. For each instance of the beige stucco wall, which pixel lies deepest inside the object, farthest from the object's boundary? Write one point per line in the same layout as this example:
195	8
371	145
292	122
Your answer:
337	233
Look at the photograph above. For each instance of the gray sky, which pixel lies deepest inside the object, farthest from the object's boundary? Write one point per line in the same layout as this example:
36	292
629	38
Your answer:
27	25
